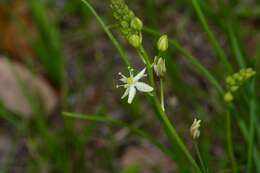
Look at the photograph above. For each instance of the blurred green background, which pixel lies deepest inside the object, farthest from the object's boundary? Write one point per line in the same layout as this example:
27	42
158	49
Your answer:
55	57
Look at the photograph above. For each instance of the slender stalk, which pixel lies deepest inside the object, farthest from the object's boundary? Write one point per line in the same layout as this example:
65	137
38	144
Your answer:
144	55
212	39
168	127
200	157
251	127
162	94
107	119
229	141
245	132
201	69
124	56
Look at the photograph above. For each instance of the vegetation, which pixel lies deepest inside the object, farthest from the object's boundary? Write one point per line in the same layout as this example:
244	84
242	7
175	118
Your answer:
179	78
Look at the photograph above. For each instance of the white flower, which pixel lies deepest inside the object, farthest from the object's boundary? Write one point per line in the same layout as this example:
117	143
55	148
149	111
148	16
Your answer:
131	84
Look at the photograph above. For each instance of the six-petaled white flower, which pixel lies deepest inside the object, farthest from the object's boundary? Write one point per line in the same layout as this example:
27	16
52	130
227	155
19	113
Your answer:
131	84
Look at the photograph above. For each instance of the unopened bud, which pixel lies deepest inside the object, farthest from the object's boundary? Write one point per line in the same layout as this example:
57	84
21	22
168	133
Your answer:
228	97
162	44
137	24
135	40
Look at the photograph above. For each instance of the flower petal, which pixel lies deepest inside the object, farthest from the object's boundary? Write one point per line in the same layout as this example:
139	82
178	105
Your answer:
125	93
123	77
143	87
123	80
140	75
132	92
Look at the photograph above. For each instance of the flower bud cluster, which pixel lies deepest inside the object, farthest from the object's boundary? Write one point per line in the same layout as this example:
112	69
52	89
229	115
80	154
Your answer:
129	24
234	81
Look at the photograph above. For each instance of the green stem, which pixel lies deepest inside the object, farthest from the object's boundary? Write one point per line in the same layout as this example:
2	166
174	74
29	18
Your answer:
124	56
229	141
172	133
144	55
212	39
201	69
199	157
245	132
162	94
251	127
235	45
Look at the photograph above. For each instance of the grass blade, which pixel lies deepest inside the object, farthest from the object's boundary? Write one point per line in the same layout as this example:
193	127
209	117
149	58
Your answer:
108	120
251	127
48	47
124	56
202	70
212	39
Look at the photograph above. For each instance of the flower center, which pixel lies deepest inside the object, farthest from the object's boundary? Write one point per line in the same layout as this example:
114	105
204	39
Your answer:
130	81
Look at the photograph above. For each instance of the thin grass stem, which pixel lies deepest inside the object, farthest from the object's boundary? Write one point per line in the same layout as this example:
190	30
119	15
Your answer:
251	127
235	46
200	157
229	141
211	37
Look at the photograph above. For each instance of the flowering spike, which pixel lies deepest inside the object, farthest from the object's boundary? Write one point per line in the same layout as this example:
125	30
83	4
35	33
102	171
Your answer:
234	81
129	25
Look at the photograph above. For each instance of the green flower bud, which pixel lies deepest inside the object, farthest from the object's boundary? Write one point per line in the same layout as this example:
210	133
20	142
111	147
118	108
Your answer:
234	88
249	73
162	44
230	81
137	24
159	67
135	40
228	97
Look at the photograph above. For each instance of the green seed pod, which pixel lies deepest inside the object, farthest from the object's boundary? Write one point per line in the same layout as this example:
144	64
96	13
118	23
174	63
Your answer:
137	24
162	44
135	40
228	97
